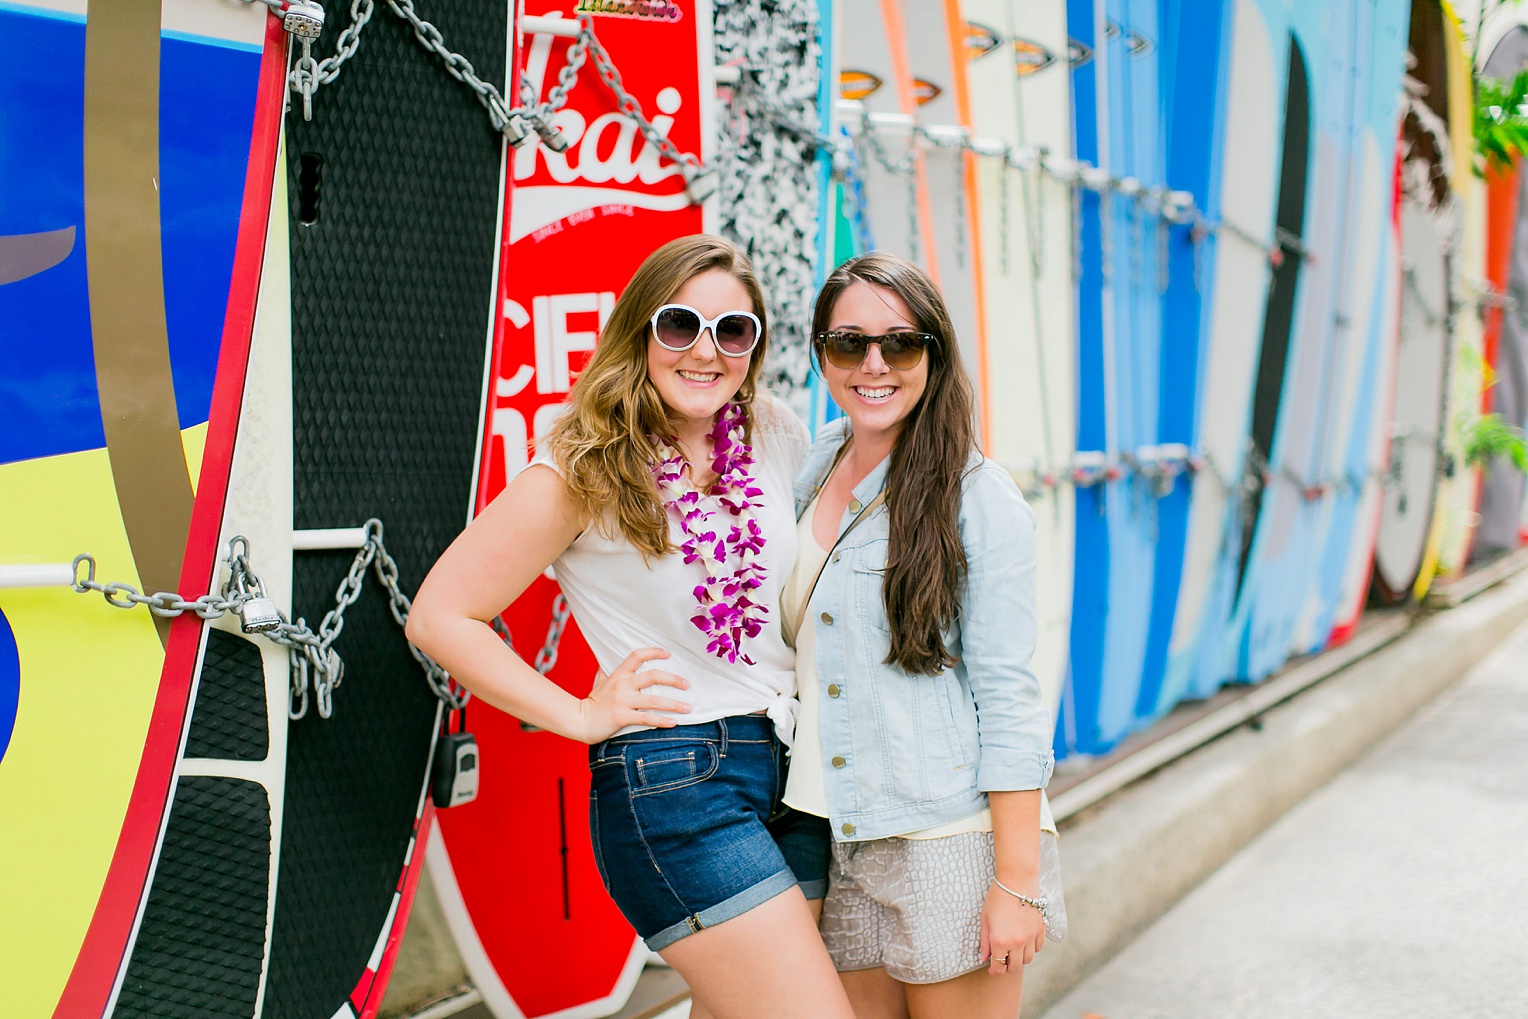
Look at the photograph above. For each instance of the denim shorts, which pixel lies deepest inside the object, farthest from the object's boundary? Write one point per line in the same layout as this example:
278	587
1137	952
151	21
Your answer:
689	829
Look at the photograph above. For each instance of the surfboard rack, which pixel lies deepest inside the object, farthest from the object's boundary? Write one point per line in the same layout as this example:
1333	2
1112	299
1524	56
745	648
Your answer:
37	575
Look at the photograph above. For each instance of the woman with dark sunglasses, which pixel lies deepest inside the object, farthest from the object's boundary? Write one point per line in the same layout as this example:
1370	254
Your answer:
661	498
921	740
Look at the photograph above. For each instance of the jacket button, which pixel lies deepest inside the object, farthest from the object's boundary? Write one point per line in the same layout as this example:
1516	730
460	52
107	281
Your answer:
833	690
837	556
847	829
839	762
854	506
827	620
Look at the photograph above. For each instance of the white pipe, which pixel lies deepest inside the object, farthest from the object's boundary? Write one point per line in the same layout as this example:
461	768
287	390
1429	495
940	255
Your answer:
561	28
326	538
37	575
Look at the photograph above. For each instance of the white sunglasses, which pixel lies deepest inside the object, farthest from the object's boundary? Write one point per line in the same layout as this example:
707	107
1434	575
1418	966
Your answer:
677	327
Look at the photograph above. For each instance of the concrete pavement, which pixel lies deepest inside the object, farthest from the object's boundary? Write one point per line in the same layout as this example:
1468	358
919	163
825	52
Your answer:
1398	890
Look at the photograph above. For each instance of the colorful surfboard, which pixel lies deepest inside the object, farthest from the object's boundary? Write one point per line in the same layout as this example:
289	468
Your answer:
771	179
1020	88
1079	700
1115	556
1243	271
144	137
1295	384
1406	551
936	60
391	337
832	227
1503	52
1459	495
514	869
896	205
1362	357
1195	49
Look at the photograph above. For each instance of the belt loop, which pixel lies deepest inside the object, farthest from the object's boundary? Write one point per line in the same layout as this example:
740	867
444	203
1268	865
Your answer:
721	724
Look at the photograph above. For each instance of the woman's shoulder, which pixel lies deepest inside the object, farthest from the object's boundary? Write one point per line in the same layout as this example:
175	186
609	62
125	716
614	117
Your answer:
989	489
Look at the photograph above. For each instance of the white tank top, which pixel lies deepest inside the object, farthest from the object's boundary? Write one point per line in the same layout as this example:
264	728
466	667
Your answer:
623	603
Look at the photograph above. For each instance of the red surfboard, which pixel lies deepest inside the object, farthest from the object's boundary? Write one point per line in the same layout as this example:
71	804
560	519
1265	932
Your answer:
514	869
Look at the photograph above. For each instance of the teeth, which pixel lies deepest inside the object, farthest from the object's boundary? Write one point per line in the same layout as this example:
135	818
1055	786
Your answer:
700	376
875	394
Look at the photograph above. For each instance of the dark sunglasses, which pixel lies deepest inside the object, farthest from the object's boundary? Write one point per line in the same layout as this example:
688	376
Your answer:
678	327
900	350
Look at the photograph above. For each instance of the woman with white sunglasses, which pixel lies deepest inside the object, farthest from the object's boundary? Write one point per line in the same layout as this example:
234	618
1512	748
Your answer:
662	498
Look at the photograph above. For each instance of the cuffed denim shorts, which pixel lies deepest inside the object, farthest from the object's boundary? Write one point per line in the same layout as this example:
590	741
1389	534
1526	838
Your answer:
689	829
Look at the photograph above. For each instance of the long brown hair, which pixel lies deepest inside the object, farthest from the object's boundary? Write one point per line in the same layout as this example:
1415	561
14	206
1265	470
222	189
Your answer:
925	560
601	442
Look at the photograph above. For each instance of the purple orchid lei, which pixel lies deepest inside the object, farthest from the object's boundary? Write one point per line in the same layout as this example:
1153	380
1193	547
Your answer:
725	613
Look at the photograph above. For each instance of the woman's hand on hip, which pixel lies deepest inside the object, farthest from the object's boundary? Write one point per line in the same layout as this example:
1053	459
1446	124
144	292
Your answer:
1011	930
620	699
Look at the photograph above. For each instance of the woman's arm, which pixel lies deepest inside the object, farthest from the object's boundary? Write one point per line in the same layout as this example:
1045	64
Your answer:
487	567
1011	928
998	629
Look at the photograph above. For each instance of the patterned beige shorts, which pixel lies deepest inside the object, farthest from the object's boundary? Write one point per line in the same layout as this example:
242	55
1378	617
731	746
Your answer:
911	905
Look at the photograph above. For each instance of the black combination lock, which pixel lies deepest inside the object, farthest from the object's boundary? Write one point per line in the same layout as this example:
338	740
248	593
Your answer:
454	772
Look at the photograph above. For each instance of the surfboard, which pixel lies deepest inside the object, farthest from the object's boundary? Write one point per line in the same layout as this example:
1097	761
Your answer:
830	198
1503	51
1091	550
935	41
1194	50
1351	464
145	140
1239	280
1370	483
515	869
1112	605
391	340
771	179
1295	383
1020	89
1459	495
1407	547
896	205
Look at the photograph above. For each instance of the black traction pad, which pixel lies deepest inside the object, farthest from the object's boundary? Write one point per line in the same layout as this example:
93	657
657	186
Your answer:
228	720
394	187
202	939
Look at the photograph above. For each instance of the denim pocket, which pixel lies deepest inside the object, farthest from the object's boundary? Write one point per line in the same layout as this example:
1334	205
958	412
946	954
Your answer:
657	768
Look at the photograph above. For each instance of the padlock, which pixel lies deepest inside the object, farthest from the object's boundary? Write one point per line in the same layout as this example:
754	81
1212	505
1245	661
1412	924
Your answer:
303	19
259	614
454	771
516	132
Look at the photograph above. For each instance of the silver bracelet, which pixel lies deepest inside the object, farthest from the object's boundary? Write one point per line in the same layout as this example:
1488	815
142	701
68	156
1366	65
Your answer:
1042	903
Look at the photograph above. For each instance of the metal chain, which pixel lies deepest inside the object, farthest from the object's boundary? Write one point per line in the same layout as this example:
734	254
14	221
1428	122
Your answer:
316	667
700	182
460	68
546	658
309	74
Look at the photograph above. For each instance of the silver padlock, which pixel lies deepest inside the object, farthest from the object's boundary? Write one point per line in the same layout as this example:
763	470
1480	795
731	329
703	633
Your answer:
259	614
303	19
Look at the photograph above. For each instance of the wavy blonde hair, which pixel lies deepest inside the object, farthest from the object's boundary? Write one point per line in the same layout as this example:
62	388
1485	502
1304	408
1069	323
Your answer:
601	442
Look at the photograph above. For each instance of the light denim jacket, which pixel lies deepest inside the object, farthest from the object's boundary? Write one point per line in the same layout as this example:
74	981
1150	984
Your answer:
901	752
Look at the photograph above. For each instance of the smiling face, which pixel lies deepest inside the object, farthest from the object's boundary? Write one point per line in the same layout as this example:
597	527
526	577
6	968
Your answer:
874	396
698	382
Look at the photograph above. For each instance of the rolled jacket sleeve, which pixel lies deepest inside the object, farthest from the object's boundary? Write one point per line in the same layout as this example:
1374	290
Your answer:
998	627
